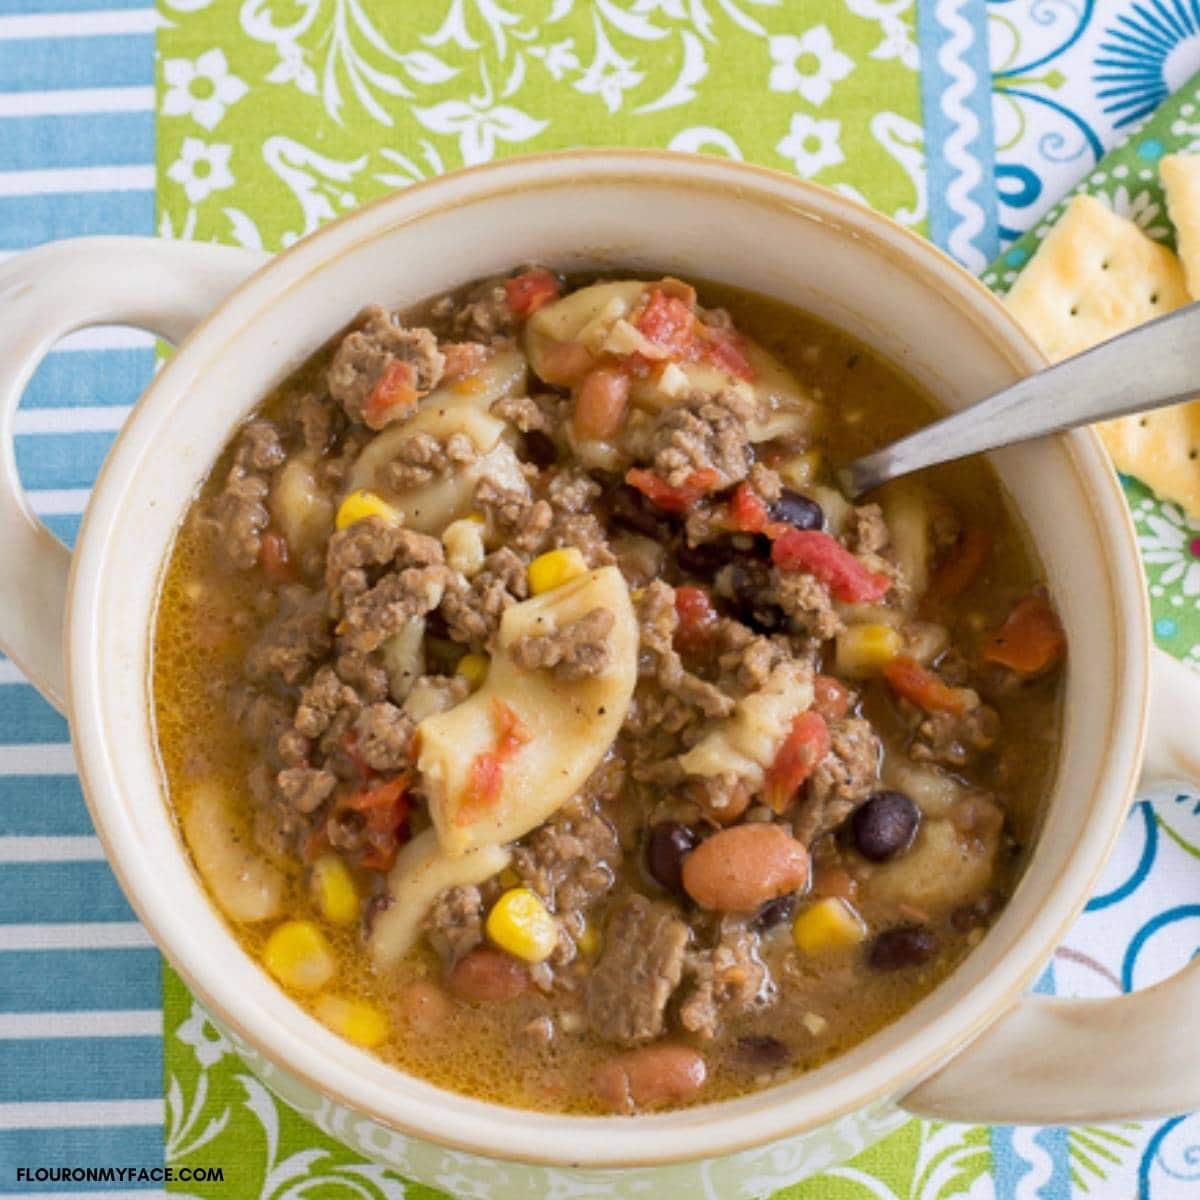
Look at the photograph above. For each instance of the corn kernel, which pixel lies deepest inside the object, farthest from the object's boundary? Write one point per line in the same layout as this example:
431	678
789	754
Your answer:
520	924
801	469
474	668
333	886
298	956
358	1022
589	940
554	568
865	649
829	924
477	518
359	505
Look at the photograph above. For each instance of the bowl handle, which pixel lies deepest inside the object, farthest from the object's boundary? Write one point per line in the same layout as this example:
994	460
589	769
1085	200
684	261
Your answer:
1053	1061
161	286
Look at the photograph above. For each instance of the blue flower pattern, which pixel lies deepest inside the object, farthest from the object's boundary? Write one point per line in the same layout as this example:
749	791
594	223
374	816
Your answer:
1069	80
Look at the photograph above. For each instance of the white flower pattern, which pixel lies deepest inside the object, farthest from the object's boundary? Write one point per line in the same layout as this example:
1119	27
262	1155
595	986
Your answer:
810	65
812	145
479	126
205	1039
293	68
1173	543
559	58
202	89
202	168
1140	207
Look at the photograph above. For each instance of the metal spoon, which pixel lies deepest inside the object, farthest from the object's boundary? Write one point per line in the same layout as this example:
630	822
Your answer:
1149	367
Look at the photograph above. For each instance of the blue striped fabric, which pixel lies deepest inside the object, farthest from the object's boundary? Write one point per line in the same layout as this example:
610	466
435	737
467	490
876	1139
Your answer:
80	984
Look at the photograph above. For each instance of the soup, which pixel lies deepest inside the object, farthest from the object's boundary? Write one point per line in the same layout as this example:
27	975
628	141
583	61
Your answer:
541	716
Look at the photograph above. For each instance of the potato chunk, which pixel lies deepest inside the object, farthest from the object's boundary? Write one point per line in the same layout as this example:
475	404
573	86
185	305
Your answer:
421	872
462	407
747	741
943	869
565	339
243	883
570	724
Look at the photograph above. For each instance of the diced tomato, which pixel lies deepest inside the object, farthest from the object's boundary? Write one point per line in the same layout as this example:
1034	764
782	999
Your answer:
829	561
958	569
1030	641
747	512
274	559
483	786
668	498
802	749
394	396
511	732
831	697
724	348
529	291
385	810
697	617
667	322
350	746
486	773
463	359
924	689
601	403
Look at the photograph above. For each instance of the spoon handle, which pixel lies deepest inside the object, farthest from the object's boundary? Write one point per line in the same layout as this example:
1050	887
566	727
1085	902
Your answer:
1149	367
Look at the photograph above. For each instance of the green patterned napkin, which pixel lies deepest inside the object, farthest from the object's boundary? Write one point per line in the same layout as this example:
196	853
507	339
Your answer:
277	116
1127	180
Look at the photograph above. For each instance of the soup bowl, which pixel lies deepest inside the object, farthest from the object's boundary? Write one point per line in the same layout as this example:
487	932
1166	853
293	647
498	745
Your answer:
975	1049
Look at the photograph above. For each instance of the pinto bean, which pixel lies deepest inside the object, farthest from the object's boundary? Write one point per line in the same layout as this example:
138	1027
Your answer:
649	1076
424	1006
487	976
600	405
740	869
563	363
831	698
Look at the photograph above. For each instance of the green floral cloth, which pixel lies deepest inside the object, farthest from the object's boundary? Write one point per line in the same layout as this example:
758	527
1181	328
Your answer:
278	115
1127	180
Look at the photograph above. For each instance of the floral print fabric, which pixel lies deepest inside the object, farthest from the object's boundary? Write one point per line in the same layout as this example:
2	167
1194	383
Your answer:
963	120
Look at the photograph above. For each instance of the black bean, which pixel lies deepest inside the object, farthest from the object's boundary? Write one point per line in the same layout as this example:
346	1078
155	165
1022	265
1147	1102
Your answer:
629	509
762	1052
797	510
668	844
976	914
746	584
540	449
903	946
705	560
885	825
773	913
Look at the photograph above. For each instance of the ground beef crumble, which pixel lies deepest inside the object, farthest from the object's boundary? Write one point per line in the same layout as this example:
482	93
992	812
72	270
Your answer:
703	435
366	354
843	779
422	458
642	963
723	981
454	925
317	691
579	650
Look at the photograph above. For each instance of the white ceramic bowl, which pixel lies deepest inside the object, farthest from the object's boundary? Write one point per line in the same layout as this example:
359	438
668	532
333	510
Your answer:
975	1048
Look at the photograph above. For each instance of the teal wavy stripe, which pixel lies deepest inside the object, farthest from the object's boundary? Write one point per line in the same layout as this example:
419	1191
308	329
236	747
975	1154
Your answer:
956	104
